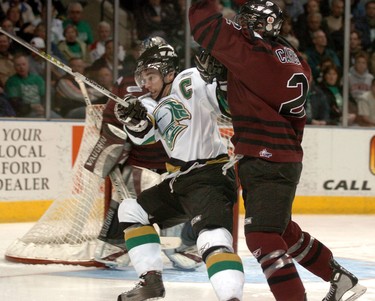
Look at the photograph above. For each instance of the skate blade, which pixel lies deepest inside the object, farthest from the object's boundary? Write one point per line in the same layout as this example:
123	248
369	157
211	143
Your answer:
356	291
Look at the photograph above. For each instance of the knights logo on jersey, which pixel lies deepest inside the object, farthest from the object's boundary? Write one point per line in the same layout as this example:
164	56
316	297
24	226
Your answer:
168	116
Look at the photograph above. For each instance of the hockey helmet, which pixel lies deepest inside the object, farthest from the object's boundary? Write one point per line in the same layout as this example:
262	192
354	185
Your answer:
152	41
161	57
261	16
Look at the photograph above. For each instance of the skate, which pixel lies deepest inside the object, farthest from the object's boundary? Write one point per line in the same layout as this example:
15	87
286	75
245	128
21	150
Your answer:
110	255
150	287
344	285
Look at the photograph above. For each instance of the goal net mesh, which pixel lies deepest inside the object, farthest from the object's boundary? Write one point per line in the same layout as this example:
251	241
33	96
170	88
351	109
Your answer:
67	232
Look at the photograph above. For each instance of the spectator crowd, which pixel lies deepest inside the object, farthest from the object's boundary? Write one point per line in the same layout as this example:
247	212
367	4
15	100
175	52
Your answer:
314	27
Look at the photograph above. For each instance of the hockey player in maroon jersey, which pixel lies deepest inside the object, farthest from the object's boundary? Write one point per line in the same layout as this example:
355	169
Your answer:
267	84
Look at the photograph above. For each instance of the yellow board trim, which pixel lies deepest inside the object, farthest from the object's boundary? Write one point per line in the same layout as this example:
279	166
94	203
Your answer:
22	211
31	211
330	205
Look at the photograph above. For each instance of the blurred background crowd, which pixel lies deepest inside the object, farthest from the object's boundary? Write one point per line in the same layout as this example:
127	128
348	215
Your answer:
81	35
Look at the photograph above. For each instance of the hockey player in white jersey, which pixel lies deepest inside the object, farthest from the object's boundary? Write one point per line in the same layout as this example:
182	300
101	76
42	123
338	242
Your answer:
184	117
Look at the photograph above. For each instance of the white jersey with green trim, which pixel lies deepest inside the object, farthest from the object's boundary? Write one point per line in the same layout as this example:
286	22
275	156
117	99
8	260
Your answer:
186	120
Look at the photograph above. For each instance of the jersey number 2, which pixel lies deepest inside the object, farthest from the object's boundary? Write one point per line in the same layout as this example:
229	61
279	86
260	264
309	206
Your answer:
295	107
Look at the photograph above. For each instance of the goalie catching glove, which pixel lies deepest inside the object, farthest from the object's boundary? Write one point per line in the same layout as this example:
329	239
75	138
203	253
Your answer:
134	116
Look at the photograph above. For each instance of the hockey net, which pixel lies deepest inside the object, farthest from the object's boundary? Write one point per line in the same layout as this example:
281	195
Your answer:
67	232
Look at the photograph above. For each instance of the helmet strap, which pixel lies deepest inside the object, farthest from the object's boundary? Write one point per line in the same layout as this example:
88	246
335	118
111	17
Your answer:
163	89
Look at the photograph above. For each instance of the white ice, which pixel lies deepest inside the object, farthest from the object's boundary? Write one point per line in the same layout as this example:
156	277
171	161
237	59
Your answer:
350	237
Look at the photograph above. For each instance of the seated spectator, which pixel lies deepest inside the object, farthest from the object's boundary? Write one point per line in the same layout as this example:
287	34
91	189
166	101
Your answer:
107	59
75	17
307	23
287	32
38	64
366	107
319	51
360	78
69	98
317	106
294	9
26	91
333	90
324	63
335	20
334	24
72	46
357	9
13	14
104	77
130	60
157	18
57	29
41	32
6	110
104	33
24	8
6	60
366	26
355	46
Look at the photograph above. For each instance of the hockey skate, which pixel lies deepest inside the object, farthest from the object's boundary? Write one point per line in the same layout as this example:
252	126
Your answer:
110	255
344	285
150	287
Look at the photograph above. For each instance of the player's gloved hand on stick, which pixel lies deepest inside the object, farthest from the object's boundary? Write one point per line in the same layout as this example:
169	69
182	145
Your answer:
210	68
134	116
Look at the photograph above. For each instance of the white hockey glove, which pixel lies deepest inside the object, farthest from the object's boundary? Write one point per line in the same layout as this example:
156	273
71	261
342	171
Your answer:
134	117
210	68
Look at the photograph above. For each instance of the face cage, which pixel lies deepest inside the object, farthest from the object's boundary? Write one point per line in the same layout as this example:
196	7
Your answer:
257	22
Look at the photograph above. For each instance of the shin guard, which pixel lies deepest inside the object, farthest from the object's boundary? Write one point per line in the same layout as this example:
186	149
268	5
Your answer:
271	252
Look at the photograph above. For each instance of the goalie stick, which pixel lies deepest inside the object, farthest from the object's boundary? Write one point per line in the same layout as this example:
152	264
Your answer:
66	68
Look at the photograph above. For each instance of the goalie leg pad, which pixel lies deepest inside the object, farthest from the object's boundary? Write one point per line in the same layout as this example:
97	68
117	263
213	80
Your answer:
183	257
131	212
110	255
112	231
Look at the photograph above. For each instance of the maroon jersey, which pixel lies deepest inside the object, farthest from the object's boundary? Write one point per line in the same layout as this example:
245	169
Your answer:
151	156
267	85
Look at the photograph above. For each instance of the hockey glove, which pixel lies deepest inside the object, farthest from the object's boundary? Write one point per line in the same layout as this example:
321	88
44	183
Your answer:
134	116
209	67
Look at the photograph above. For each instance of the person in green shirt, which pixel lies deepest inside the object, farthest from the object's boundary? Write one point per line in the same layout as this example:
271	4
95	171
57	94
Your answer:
25	90
74	17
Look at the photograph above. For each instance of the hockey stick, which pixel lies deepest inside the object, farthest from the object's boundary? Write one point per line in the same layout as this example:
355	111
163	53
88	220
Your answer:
66	68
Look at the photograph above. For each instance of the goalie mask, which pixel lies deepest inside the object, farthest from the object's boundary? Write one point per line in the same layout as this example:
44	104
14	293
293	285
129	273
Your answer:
162	58
262	16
